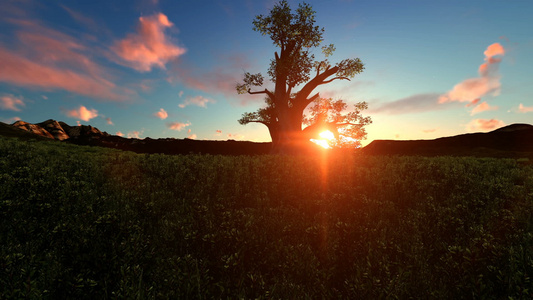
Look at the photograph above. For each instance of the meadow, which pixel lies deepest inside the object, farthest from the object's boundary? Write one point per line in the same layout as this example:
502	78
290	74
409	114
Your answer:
94	223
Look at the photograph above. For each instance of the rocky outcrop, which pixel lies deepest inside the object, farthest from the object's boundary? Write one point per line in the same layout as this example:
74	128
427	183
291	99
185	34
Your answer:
33	128
55	129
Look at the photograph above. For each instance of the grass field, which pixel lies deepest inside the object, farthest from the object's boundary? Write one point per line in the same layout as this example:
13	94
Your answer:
94	223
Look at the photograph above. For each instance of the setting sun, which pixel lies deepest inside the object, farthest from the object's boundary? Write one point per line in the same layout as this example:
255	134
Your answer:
327	135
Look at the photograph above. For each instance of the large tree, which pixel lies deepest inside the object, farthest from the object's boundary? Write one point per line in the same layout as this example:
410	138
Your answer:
293	67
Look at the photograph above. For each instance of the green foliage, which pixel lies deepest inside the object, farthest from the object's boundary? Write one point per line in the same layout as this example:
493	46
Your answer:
80	222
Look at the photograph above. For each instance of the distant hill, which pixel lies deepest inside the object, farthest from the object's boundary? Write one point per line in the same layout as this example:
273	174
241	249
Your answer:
88	135
512	141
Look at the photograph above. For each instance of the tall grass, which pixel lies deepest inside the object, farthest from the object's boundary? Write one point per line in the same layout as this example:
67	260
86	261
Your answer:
81	222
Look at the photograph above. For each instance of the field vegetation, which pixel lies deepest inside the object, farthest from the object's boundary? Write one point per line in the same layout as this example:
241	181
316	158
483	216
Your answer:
88	222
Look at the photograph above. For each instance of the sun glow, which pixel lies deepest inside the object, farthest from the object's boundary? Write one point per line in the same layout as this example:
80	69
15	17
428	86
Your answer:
326	136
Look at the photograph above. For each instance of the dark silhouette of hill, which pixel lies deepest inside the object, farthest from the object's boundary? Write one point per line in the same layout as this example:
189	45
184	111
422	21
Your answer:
91	136
512	141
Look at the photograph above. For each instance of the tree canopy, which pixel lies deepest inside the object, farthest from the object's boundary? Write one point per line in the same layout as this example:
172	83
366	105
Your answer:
294	67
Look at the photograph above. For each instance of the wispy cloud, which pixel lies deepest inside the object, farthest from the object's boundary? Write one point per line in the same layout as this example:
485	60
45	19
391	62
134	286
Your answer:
44	58
82	113
109	122
10	102
412	104
177	126
524	109
161	114
235	136
488	82
10	120
197	101
222	79
484	106
119	133
134	134
484	124
149	47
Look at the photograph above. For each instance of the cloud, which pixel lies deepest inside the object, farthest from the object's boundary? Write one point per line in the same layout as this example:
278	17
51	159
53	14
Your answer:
134	134
222	79
10	120
412	104
47	59
119	133
180	93
192	136
484	106
10	102
177	125
524	109
149	46
161	114
109	122
488	82
83	113
198	101
218	132
235	136
484	125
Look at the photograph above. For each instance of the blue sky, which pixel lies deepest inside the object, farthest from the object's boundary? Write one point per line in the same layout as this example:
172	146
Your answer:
168	68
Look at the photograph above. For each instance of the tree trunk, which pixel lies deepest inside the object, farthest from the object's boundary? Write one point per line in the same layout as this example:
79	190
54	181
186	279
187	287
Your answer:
290	139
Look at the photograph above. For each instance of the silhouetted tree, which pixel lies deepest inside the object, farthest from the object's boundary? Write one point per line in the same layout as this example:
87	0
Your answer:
294	66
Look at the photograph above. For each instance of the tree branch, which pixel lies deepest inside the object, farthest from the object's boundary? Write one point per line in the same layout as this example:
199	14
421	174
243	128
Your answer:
265	91
340	77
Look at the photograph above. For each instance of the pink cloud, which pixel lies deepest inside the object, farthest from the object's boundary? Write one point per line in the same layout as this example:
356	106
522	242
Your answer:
484	125
50	60
220	80
524	109
484	106
109	122
134	134
177	125
235	136
149	46
10	102
119	133
192	136
470	90
11	120
161	114
198	101
83	113
219	132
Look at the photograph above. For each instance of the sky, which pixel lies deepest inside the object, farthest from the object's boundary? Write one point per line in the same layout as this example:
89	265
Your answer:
162	68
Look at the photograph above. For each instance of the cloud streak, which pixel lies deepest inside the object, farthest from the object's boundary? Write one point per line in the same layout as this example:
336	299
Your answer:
412	104
10	102
149	47
524	109
43	58
197	101
484	106
177	126
484	124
